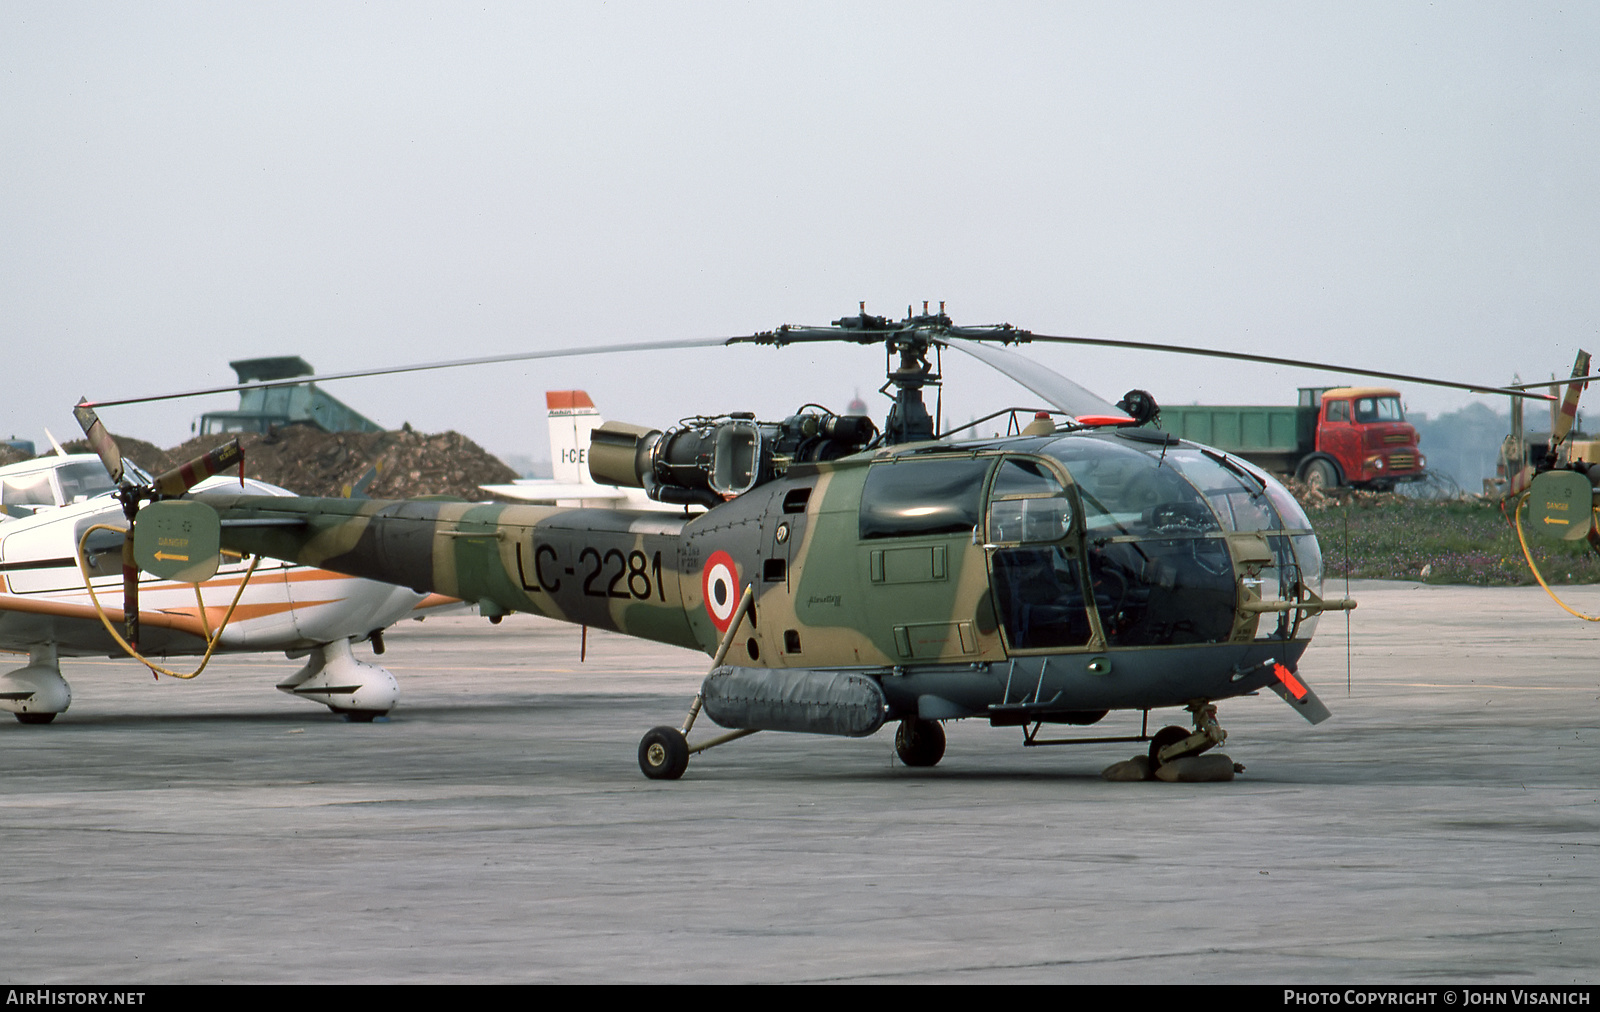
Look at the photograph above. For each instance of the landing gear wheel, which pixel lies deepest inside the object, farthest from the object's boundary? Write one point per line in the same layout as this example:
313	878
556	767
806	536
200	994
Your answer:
36	718
1164	737
920	742
664	753
359	716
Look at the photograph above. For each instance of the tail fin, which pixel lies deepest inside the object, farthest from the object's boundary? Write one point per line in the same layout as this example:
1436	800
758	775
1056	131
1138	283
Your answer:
573	417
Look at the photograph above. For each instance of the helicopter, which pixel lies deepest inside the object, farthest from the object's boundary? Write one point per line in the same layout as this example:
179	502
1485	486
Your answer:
845	576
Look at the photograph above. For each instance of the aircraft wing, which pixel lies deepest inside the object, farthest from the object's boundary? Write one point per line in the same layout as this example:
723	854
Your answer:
27	621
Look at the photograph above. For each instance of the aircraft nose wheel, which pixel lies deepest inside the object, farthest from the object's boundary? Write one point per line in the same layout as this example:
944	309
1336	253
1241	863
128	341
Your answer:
664	753
1162	739
919	742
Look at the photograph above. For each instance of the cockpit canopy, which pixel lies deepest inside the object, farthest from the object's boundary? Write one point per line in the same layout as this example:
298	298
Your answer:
1131	527
57	481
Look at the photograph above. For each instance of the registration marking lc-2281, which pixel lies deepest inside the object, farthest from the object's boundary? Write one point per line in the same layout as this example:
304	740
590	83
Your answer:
636	576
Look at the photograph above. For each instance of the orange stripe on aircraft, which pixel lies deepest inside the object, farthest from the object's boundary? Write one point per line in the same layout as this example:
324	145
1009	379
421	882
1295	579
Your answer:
1290	682
30	606
243	613
292	576
181	619
434	601
566	400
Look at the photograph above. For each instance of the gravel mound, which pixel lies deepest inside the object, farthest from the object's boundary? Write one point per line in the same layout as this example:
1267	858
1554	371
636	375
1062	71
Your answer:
386	465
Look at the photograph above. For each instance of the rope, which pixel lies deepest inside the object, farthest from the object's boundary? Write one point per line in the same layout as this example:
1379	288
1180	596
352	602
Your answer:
1522	540
205	622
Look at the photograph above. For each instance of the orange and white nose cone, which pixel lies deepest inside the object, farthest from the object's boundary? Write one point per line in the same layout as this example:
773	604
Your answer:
720	583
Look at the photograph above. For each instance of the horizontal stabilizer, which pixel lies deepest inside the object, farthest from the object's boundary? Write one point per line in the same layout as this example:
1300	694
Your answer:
551	491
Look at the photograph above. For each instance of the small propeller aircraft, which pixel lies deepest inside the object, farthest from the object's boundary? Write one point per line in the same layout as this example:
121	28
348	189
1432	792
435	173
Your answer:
61	562
843	577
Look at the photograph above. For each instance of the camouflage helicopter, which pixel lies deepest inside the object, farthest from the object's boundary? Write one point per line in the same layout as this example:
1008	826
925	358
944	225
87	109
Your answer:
845	576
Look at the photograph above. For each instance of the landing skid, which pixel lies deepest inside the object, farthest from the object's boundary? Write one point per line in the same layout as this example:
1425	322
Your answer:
1031	739
1167	744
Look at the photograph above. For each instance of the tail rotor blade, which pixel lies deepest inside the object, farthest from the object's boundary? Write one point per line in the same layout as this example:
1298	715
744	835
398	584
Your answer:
1569	403
186	476
99	439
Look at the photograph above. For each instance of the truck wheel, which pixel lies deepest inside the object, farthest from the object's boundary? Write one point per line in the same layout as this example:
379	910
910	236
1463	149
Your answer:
1320	475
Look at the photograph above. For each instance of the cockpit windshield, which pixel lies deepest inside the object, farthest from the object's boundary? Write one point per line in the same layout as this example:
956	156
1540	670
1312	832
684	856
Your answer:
83	479
1126	491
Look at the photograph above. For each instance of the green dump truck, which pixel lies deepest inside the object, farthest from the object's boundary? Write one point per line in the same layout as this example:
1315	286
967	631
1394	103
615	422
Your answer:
1335	436
266	408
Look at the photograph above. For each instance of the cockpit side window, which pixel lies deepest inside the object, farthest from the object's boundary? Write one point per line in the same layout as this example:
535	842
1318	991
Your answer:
927	495
1021	476
1038	584
32	489
1027	504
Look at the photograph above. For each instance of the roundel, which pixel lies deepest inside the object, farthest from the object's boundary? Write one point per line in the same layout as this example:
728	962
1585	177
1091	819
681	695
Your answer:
720	583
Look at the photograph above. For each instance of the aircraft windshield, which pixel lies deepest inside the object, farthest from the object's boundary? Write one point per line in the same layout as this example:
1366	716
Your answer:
1126	491
84	479
1239	498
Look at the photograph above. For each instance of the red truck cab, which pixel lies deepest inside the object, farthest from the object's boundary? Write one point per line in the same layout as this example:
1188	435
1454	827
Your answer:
1364	431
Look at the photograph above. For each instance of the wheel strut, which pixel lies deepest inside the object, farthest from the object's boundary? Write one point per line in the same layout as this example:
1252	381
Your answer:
664	751
1171	743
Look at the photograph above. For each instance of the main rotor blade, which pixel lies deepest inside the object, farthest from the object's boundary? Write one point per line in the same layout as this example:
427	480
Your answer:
99	440
526	356
1239	356
1055	388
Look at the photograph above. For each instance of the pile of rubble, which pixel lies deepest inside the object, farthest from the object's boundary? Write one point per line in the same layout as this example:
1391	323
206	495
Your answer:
378	465
1315	499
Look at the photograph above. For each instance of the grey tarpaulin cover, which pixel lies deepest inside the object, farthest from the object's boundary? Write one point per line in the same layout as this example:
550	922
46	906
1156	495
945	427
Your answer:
795	699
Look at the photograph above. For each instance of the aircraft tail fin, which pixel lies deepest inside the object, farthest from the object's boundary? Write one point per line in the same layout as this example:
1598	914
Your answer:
573	417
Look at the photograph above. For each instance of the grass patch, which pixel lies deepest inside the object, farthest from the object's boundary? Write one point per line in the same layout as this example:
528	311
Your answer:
1456	542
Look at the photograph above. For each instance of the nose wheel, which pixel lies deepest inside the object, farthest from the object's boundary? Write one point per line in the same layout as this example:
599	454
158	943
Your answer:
919	742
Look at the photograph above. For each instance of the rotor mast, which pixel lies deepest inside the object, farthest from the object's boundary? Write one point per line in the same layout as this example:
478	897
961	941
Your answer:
907	347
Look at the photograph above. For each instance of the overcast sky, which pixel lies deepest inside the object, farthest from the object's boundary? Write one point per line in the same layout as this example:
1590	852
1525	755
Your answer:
1402	185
